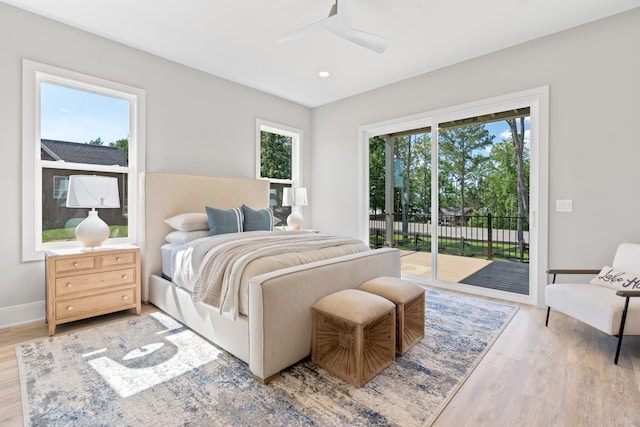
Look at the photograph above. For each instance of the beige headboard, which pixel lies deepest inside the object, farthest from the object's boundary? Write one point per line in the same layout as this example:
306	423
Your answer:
167	194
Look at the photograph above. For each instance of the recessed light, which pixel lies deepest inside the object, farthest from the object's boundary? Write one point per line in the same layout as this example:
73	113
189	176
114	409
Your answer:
324	74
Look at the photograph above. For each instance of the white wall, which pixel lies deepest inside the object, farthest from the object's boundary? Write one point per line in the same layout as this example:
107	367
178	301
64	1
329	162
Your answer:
593	74
196	123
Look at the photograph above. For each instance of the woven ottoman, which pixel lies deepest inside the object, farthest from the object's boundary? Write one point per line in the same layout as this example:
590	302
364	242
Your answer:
409	300
353	335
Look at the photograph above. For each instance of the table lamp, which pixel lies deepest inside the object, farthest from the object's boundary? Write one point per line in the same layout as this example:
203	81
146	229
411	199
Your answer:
92	191
294	196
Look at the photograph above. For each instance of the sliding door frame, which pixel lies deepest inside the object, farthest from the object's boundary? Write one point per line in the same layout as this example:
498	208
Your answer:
537	100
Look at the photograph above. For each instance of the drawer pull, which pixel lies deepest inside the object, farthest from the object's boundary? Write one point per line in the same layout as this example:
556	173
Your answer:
69	285
118	259
124	277
124	297
76	264
70	308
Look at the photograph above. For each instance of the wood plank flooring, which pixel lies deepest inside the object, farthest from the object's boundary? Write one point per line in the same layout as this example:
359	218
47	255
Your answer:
562	375
503	276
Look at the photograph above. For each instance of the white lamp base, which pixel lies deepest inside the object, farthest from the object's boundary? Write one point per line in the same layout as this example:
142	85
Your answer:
92	231
295	221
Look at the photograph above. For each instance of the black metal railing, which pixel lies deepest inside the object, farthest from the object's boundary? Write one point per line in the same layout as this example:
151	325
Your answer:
487	236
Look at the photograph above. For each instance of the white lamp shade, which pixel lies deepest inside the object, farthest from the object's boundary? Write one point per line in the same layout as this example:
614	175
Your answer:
92	191
294	196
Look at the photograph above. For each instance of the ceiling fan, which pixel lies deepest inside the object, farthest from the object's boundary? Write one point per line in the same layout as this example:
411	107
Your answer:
338	22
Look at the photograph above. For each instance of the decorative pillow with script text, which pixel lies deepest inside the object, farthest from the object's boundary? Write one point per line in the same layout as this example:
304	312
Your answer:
616	279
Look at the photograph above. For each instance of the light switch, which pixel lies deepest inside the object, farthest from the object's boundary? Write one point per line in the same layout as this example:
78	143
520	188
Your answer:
564	205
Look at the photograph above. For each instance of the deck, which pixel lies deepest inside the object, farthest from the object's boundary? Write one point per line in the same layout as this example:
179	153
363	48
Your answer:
499	275
503	276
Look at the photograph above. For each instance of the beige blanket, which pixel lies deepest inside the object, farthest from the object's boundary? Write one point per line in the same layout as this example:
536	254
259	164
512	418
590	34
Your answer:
218	268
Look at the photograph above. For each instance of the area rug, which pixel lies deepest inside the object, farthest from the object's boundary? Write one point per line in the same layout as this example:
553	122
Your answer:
151	370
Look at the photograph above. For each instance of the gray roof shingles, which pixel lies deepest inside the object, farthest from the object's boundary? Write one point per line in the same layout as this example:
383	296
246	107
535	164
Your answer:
77	152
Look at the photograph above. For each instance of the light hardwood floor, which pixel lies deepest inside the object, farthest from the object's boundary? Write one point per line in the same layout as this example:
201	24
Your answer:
562	375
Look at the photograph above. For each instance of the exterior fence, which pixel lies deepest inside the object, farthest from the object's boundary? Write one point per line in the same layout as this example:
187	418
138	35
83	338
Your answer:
492	237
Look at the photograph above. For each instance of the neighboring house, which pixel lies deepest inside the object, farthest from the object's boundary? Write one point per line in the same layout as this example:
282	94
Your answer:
55	181
454	215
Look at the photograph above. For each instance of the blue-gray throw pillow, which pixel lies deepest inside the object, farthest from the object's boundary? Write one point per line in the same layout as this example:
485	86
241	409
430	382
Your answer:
257	220
224	221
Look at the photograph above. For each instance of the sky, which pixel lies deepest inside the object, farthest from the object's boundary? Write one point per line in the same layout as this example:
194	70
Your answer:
79	116
501	130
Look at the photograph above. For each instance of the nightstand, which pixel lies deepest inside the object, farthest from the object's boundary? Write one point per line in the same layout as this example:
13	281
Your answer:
87	283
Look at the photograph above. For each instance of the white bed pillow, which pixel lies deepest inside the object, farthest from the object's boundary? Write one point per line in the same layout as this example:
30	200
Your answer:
189	221
185	236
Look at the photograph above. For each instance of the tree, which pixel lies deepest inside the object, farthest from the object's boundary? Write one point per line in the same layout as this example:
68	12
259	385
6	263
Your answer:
403	151
499	183
462	155
421	173
517	138
97	141
121	143
275	155
376	174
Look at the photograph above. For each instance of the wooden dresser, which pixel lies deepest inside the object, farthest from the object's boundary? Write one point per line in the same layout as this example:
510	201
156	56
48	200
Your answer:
81	284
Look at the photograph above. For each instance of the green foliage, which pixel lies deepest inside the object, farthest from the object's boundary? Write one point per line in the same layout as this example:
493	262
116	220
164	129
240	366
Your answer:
500	188
68	234
462	157
122	143
275	155
376	174
475	172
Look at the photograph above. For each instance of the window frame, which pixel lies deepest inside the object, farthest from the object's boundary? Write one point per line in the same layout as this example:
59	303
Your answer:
56	187
33	73
296	136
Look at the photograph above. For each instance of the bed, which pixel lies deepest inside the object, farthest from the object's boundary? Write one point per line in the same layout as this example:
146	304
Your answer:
275	331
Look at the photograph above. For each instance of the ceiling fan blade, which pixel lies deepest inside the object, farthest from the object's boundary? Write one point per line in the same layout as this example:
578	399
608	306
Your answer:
320	25
361	38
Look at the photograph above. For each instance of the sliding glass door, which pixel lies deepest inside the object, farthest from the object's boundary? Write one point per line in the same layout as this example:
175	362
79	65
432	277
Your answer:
453	197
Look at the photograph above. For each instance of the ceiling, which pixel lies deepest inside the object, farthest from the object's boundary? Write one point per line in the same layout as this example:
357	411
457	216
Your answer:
236	40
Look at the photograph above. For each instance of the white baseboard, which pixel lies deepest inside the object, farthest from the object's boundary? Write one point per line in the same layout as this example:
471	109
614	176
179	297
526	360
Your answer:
20	314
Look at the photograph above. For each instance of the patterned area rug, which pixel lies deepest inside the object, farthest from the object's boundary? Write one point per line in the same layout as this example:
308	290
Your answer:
151	370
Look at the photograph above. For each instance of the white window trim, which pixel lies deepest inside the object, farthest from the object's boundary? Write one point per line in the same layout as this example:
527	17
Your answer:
538	100
32	74
296	153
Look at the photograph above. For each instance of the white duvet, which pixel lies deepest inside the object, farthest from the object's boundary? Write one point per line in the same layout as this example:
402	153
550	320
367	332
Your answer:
217	269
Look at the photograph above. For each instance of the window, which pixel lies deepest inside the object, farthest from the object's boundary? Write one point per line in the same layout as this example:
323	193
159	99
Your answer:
278	154
76	124
60	186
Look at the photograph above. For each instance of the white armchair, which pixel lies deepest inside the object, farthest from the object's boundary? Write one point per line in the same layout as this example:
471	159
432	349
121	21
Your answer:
607	302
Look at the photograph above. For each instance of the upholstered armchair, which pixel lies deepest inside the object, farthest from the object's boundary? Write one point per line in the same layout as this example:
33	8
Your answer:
608	301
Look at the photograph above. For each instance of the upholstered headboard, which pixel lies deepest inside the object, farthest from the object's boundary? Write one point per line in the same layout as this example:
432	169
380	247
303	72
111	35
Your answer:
167	194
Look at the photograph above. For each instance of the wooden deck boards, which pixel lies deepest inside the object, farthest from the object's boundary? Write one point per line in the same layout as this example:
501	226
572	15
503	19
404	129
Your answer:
502	276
